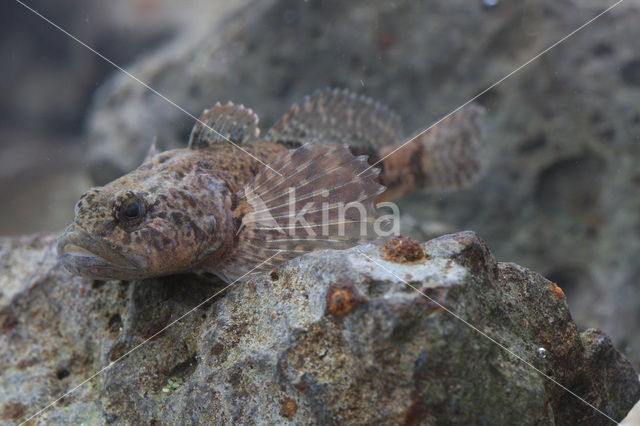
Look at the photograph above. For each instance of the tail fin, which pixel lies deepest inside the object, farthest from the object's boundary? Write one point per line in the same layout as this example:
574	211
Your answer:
444	157
319	202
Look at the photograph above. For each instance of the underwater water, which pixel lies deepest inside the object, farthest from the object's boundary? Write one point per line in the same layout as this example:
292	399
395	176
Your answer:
560	188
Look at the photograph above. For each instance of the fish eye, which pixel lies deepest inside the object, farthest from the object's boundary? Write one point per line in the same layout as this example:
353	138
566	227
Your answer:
130	208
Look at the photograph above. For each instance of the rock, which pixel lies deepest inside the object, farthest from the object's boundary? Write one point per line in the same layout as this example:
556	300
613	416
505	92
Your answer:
49	77
332	337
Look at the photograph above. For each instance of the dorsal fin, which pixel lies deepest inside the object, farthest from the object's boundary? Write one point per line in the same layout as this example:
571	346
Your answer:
334	115
230	122
321	199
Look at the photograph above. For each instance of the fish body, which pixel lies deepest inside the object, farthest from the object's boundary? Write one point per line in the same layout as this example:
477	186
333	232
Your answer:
232	208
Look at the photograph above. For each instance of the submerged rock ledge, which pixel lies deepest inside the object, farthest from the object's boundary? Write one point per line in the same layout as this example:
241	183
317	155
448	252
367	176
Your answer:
333	337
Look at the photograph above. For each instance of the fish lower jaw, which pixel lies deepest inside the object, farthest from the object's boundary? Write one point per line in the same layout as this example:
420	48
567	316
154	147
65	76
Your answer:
81	255
90	266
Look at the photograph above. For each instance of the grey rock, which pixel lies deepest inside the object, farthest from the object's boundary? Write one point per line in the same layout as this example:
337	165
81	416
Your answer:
332	337
49	78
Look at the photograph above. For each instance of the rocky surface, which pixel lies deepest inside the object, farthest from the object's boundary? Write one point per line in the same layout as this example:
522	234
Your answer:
333	337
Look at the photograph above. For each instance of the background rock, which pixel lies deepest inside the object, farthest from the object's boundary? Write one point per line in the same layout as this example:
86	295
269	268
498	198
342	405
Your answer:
336	336
47	85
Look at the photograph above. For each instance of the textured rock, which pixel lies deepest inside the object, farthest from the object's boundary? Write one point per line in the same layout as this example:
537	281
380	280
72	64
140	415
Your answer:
334	337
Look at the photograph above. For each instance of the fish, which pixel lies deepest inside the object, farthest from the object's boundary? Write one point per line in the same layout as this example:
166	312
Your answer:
235	202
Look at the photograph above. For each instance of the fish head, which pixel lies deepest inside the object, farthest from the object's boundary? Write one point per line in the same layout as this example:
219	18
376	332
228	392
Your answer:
153	221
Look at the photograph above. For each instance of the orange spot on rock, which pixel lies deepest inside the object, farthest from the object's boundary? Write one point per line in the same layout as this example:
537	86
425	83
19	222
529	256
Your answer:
403	250
302	386
25	363
341	299
414	412
7	320
289	408
13	410
217	349
385	40
557	291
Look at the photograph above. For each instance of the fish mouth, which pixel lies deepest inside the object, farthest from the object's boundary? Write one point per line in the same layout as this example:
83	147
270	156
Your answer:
82	254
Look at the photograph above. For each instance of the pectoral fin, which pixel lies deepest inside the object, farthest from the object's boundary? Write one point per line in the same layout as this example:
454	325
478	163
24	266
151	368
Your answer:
319	201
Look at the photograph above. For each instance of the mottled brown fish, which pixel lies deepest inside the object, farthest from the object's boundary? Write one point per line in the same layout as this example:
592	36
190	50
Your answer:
213	208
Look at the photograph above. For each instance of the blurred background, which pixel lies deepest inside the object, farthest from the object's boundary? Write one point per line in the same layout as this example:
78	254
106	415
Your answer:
561	193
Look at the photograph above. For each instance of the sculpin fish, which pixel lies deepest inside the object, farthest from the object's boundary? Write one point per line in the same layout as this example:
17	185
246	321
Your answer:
229	209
